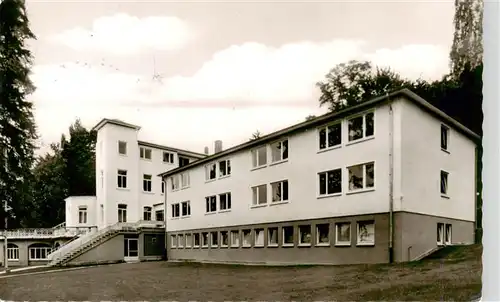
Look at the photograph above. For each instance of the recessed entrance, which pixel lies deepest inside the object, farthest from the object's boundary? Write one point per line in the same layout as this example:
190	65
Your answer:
131	249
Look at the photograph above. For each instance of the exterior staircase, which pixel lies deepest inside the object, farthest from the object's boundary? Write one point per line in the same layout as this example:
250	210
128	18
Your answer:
88	241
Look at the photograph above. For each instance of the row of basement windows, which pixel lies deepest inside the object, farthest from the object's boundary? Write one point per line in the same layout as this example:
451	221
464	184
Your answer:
147	181
365	235
36	251
147	154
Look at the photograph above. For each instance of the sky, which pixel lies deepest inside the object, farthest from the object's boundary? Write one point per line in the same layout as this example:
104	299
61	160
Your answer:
190	73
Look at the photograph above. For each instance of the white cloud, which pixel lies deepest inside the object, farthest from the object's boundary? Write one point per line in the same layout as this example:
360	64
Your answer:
281	78
123	34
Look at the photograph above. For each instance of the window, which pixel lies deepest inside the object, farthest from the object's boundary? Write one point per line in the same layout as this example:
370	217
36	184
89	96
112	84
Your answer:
168	157
272	236
247	238
235	238
259	237
343	233
361	127
174	180
122	148
288	236
146	183
225	201
180	240
173	241
196	242
279	151
440	233
204	239
159	215
176	212
280	191
210	171
361	176
224	239
444	183
12	252
162	187
39	251
259	195
447	234
82	214
323	234
147	213
259	157
145	153
211	204
122	179
366	233
183	161
445	132
214	239
224	168
184	180
122	213
189	240
305	235
330	182
330	136
186	208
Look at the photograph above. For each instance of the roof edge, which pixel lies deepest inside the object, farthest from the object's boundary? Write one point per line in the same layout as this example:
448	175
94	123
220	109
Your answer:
167	148
324	118
105	121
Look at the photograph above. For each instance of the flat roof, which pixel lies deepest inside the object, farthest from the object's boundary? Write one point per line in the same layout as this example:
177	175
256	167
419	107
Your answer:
411	96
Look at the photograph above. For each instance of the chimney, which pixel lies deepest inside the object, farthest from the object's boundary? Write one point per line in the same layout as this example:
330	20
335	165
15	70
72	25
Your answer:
206	150
217	146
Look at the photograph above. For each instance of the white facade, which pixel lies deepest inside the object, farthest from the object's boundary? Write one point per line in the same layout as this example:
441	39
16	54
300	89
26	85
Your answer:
127	181
80	211
405	140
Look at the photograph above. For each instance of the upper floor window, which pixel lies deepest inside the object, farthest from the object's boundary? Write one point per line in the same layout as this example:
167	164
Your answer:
147	213
361	176
361	126
174	180
147	183
122	213
176	210
145	153
211	204
122	179
162	187
183	161
330	182
224	168
445	133
444	183
122	147
184	180
82	214
186	208
330	136
280	191
159	215
210	171
168	157
259	157
279	151
225	201
259	194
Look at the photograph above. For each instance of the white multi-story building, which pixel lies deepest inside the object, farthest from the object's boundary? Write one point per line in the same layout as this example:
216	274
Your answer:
391	179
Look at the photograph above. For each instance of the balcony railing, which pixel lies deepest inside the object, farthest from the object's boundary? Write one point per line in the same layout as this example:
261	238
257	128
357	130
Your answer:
45	233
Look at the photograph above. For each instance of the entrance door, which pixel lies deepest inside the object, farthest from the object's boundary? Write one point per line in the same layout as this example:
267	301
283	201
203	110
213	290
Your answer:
131	249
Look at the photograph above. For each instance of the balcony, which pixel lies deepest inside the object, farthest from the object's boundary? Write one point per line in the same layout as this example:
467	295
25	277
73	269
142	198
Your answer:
59	231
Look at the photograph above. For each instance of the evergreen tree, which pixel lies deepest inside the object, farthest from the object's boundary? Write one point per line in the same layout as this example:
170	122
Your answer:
17	126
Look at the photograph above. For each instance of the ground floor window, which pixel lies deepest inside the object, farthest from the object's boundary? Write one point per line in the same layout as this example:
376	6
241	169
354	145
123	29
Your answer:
173	241
204	239
12	252
259	237
39	251
366	232
288	236
443	233
196	237
189	240
224	239
235	238
323	234
272	237
247	238
305	235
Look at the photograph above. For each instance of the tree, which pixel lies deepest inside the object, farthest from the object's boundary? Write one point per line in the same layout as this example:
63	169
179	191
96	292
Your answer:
17	126
50	188
310	117
350	83
467	47
79	158
255	135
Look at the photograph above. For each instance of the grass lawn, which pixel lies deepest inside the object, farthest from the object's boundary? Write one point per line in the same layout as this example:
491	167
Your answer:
455	275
